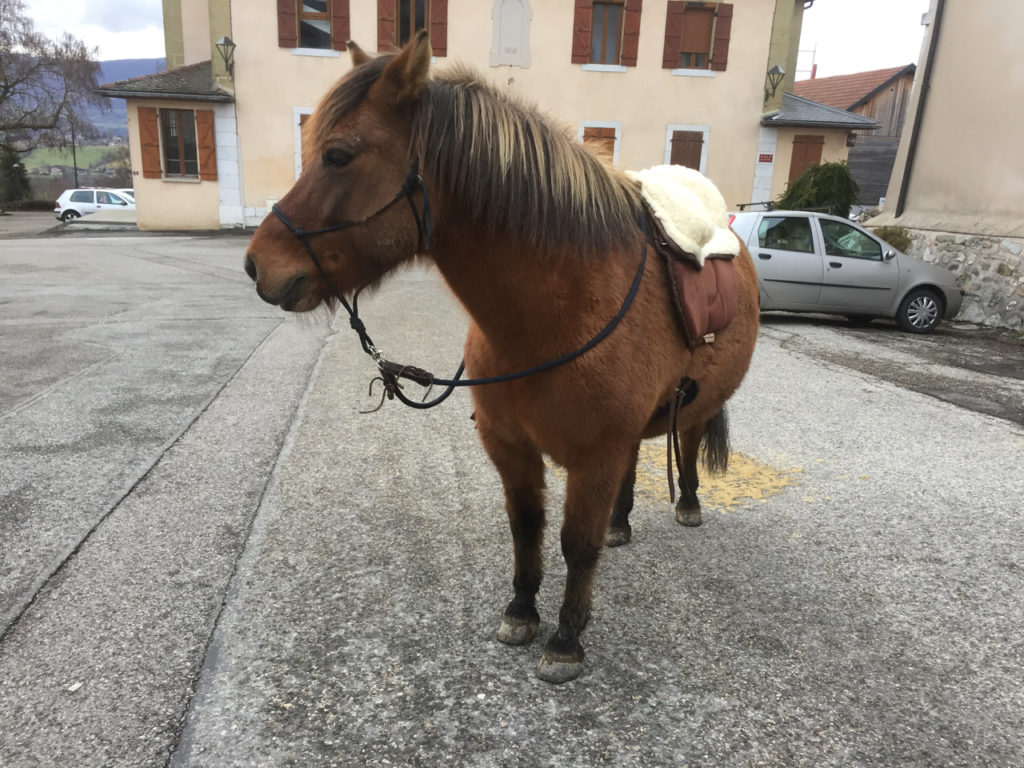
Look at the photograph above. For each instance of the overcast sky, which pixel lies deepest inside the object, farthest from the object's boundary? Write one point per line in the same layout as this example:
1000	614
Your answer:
860	35
848	35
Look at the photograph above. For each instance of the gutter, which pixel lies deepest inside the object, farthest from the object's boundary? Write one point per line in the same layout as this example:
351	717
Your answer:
915	133
167	96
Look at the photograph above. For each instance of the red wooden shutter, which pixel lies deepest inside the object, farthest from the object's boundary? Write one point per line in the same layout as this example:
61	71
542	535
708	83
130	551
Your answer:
686	148
149	141
385	25
287	24
206	141
631	32
673	34
582	26
723	29
439	27
340	30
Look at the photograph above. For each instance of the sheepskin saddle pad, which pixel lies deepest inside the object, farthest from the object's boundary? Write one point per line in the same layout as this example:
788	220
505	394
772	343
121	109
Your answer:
689	227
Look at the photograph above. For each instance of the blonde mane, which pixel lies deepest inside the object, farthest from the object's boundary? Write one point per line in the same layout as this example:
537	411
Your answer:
503	166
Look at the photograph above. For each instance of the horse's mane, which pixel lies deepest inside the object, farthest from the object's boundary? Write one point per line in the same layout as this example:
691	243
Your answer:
504	165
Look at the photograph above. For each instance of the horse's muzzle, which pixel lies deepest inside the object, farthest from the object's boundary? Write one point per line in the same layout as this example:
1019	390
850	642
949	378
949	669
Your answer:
250	266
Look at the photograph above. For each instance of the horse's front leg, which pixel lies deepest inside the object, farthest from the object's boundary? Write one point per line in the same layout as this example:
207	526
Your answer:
522	476
590	492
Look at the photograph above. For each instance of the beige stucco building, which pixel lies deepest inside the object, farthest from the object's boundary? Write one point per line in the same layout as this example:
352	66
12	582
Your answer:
958	182
648	82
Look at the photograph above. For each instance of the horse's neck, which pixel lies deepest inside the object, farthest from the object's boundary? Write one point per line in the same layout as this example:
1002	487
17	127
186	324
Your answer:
507	293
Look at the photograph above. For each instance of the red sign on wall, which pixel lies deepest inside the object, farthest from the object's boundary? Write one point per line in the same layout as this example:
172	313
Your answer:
765	158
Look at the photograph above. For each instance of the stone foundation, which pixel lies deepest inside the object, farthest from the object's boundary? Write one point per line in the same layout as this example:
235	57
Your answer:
990	269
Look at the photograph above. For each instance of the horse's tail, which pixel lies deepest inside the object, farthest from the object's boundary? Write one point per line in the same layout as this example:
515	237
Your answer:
715	443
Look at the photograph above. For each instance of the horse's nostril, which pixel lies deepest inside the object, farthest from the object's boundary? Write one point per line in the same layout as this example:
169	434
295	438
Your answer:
250	266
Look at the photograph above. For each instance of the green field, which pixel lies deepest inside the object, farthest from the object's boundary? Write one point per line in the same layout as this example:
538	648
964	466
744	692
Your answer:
44	157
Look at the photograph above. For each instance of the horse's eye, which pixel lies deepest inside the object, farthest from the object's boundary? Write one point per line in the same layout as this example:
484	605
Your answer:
336	158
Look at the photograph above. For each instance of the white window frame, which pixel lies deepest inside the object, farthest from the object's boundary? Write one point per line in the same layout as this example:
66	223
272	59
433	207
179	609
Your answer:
704	130
297	113
616	124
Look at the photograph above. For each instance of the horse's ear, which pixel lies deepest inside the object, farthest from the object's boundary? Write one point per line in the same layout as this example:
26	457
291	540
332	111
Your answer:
359	56
408	72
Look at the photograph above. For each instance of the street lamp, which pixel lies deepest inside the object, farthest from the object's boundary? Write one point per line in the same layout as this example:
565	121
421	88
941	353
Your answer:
774	77
226	48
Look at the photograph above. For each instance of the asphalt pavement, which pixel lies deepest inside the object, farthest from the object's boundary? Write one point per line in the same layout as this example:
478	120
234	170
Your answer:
210	557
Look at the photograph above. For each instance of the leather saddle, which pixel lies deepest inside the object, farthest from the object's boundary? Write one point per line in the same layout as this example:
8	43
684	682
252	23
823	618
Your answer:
704	297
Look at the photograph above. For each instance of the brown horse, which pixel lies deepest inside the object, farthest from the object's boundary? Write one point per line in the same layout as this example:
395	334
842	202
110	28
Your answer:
540	242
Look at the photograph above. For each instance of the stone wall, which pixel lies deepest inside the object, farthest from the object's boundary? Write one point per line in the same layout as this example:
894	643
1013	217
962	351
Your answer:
990	269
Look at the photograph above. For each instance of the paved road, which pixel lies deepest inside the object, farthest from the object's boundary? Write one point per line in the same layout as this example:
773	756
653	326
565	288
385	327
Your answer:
209	557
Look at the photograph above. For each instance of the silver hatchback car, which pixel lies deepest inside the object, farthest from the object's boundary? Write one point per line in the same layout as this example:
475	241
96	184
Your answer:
813	262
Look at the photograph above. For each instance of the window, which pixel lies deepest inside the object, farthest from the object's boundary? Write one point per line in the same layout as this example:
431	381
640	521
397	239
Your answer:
687	148
178	139
510	36
606	32
177	143
313	24
806	152
697	35
786	233
602	138
82	196
109	198
399	20
843	240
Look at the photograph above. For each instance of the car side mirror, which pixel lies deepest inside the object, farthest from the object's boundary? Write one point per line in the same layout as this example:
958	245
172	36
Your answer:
889	255
123	203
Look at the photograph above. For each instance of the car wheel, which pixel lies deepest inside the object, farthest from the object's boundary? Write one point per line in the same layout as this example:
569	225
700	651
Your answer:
860	319
69	215
920	311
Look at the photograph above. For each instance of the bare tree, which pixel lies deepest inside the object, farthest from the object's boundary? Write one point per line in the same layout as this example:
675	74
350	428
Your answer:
45	85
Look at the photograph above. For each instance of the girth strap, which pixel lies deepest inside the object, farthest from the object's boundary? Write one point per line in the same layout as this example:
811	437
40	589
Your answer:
685	394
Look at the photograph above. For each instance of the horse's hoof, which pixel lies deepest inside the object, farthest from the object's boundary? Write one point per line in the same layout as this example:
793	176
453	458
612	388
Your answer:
517	631
556	668
688	516
616	537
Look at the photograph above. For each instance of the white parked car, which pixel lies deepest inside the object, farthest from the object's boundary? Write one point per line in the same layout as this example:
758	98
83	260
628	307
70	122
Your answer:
74	203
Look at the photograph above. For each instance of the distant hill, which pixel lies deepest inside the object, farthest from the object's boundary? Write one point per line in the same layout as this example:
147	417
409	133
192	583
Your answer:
114	122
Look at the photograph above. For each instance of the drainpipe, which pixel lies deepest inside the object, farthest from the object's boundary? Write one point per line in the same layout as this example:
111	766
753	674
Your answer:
926	81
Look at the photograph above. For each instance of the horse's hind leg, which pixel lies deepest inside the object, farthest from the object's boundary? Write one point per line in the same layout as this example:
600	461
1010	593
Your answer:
688	505
619	531
522	475
590	492
715	436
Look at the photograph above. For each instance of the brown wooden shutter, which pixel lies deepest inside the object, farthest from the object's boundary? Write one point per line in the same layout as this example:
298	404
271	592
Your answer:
631	32
582	26
723	30
385	25
600	141
438	27
673	34
696	35
686	148
806	152
341	32
206	141
287	24
149	141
